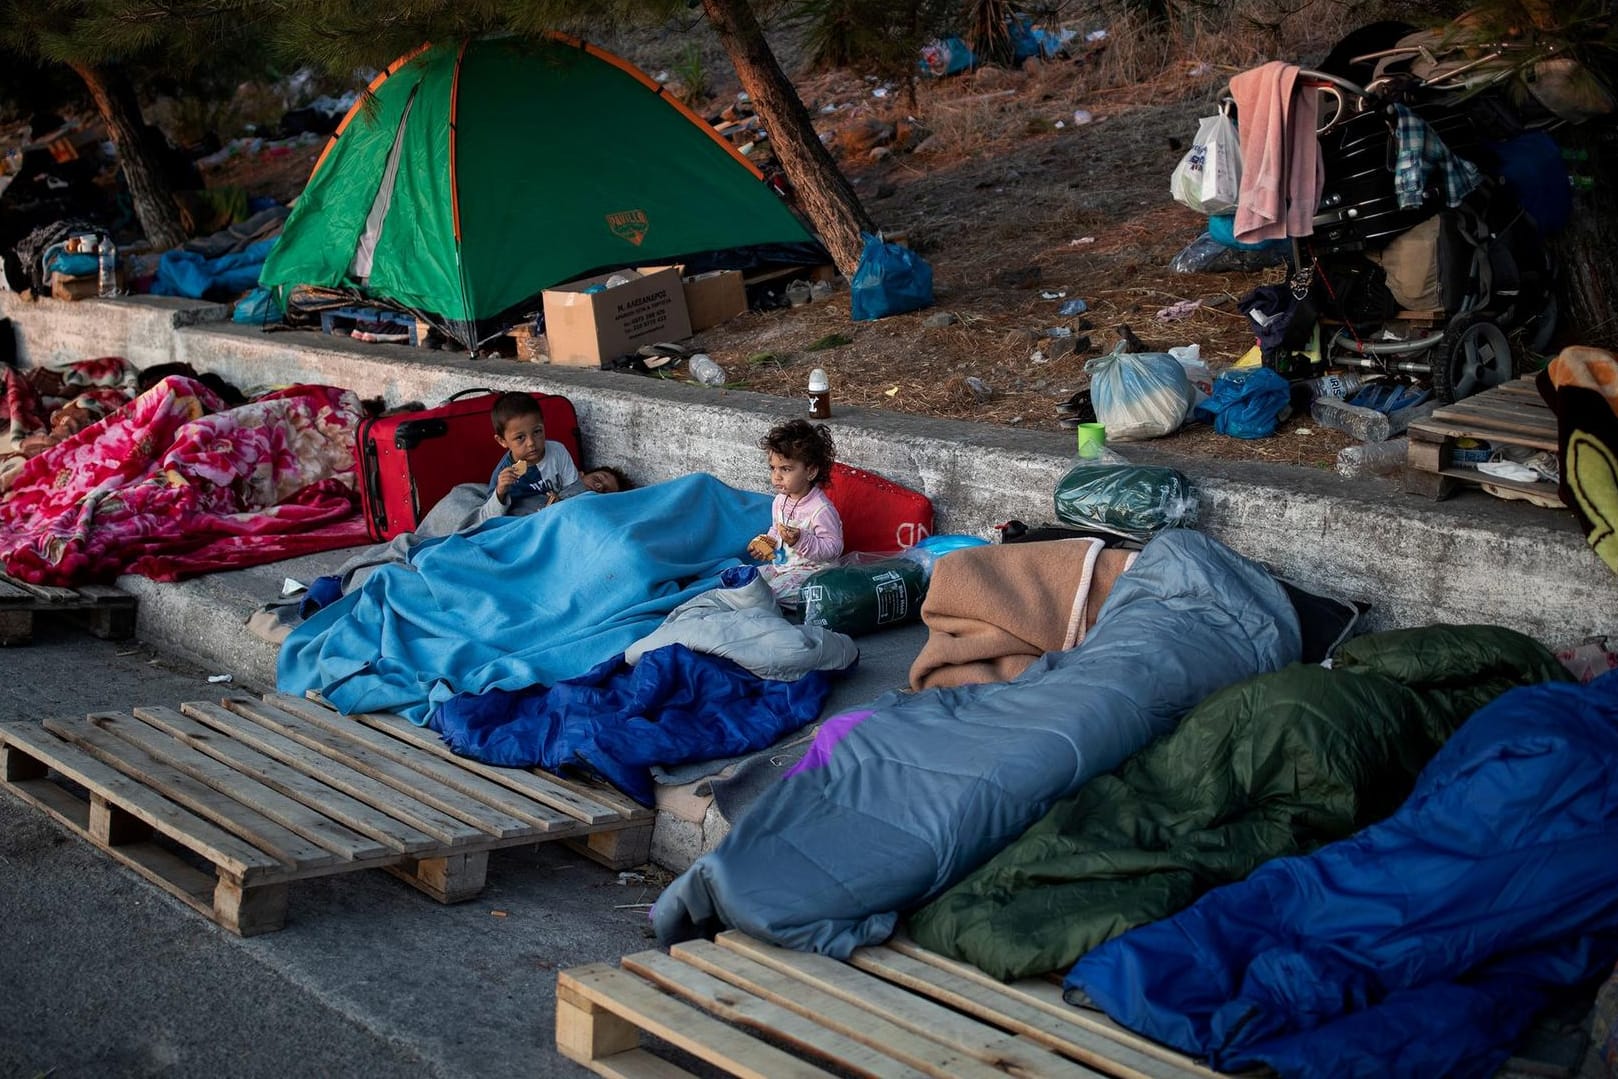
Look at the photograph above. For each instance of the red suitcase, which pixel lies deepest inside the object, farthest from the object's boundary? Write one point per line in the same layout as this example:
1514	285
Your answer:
410	460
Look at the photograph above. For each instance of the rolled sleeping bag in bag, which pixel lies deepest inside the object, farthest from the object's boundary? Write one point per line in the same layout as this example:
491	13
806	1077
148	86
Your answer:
865	597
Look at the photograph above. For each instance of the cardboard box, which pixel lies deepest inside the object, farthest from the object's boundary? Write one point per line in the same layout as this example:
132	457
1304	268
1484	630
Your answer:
85	287
591	329
714	297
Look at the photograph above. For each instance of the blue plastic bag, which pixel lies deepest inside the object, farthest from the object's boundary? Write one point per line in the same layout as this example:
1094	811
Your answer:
890	280
257	308
1246	403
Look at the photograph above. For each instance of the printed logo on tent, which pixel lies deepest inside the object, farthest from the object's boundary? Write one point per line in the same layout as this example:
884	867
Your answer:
629	225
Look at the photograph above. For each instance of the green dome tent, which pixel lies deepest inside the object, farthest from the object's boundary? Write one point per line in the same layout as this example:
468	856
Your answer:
476	174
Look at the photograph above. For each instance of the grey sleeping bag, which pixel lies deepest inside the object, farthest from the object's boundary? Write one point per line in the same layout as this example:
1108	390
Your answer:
898	800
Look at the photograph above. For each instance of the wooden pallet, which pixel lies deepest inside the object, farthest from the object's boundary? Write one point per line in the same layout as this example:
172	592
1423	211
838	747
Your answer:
1512	414
895	1010
264	793
109	612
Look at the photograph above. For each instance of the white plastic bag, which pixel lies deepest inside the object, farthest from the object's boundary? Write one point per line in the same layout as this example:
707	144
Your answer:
1139	395
1209	176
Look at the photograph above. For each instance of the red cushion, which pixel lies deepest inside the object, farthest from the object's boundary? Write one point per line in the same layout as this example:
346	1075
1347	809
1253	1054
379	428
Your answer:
878	514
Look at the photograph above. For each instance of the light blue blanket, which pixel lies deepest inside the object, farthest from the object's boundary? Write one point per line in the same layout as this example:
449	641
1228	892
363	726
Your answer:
521	601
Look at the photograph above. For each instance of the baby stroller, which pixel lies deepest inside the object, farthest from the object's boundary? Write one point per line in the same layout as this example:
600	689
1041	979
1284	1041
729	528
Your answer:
1422	263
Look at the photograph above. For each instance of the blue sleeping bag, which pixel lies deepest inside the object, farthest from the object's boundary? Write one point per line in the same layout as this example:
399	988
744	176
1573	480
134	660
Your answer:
896	802
521	601
1422	946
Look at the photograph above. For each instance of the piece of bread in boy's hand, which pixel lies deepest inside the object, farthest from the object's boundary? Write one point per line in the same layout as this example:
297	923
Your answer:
522	467
761	548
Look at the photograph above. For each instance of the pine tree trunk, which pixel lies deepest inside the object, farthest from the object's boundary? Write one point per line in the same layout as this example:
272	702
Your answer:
1585	249
821	189
154	202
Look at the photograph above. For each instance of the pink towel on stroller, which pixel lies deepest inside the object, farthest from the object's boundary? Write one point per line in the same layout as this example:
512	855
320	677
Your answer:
1281	173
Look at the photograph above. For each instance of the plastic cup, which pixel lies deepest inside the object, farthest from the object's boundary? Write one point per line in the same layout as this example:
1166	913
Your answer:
1092	439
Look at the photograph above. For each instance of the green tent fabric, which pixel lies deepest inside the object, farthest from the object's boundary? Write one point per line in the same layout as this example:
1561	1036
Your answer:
477	174
1276	765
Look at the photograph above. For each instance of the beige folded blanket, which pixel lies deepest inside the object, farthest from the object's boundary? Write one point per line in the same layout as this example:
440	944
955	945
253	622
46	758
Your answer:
992	611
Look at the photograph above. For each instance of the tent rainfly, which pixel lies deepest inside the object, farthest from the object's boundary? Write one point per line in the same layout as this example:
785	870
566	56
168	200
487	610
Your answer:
473	175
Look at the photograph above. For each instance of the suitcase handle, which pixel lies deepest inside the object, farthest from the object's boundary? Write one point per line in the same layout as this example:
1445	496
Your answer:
466	393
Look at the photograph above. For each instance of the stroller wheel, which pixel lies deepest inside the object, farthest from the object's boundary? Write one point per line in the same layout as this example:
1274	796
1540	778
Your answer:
1473	356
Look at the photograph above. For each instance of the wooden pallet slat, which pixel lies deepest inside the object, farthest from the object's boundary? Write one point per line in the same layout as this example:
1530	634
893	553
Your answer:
295	816
1512	414
401	777
92	735
583	1037
361	817
500	804
446	830
108	612
893	1009
917	1051
217	845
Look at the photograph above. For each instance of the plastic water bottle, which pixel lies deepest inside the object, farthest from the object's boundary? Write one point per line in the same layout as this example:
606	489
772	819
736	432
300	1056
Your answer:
1373	458
1334	385
107	266
705	371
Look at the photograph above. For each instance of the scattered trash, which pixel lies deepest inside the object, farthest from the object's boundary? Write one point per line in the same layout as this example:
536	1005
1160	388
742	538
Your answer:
1059	125
938	321
706	371
828	109
1037	357
831	340
891	391
1177	311
1081	117
1081	241
215	679
820	290
1073	307
1059	331
1198	70
631	878
798	293
289	587
980	389
1096	35
1247	404
497	914
1373	458
1304	431
1053	294
890	280
880	91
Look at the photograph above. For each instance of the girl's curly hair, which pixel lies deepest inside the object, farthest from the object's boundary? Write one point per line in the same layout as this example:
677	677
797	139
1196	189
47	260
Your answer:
810	444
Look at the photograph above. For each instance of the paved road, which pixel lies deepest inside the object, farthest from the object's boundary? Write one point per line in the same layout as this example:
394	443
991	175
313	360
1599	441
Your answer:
102	974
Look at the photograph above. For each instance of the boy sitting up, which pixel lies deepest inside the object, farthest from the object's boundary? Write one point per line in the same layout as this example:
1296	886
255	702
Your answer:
534	471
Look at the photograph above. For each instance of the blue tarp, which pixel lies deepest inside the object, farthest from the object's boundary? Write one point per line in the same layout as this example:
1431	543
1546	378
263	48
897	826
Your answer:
899	800
673	706
1423	945
521	601
186	273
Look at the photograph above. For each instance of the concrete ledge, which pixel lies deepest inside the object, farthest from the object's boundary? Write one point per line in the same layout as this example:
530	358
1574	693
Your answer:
138	328
1469	559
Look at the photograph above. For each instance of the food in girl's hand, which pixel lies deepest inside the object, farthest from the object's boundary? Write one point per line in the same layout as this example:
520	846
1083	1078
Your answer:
761	548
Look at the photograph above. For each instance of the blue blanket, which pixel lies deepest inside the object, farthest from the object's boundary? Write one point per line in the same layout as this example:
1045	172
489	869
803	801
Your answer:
521	601
898	801
1422	946
674	706
186	273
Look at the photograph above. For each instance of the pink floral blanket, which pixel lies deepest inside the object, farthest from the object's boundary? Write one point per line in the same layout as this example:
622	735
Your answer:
173	484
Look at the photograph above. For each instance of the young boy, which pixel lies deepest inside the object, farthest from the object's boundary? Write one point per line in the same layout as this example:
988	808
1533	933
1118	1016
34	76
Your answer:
534	471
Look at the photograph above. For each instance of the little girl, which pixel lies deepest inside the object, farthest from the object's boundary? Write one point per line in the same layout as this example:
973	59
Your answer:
805	532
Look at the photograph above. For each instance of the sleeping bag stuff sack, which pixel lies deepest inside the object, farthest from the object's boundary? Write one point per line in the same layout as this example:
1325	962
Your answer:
856	599
1134	501
896	801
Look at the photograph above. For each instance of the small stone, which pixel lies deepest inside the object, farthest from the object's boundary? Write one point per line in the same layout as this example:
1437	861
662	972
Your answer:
1038	357
879	153
938	321
980	389
1062	346
1017	337
1039	385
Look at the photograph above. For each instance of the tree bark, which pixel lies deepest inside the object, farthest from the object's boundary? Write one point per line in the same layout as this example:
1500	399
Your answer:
154	203
824	193
1585	249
